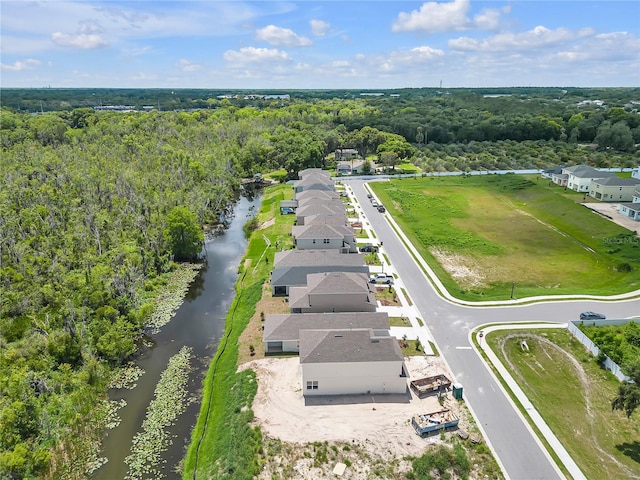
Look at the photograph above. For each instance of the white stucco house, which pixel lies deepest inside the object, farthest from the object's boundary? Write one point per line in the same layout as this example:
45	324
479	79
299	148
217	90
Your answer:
351	362
334	292
613	189
579	177
282	331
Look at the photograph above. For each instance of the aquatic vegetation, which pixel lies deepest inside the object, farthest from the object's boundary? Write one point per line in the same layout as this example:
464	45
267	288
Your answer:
127	377
171	295
168	403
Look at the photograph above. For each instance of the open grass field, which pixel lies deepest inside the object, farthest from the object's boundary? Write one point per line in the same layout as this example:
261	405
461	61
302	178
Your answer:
481	234
573	394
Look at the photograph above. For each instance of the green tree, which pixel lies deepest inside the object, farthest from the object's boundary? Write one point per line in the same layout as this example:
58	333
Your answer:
617	136
628	398
184	233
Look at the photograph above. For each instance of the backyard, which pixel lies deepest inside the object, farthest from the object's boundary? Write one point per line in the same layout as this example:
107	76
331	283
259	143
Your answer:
573	394
486	236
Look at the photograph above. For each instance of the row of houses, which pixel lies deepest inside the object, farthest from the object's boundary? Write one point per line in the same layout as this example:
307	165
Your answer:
601	185
343	342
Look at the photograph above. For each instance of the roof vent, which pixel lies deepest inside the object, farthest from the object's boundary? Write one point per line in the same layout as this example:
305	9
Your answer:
338	335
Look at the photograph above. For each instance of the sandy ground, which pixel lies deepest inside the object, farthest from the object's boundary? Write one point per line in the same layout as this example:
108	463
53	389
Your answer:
380	421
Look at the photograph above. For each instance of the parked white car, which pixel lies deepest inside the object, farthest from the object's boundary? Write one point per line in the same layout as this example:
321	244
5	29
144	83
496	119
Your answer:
382	278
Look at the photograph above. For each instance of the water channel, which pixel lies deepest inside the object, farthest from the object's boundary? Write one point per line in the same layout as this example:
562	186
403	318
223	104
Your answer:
199	324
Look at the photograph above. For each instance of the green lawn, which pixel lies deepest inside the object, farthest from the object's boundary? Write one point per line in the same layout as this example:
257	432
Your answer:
223	443
573	394
481	234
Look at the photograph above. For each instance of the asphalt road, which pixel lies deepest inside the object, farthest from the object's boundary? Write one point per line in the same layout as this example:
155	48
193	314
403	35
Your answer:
519	451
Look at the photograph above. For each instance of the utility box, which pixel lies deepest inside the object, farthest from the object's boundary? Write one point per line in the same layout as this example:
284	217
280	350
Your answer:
457	391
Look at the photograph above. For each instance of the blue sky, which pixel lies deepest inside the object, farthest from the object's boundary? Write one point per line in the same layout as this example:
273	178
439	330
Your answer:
319	44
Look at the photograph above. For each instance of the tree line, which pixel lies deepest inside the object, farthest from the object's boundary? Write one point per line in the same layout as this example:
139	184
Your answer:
96	208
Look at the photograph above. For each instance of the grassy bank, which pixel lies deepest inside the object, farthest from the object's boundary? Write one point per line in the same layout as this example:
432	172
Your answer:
223	445
573	395
485	235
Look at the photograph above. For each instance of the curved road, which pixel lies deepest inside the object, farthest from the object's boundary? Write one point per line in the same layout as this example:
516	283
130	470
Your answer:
519	451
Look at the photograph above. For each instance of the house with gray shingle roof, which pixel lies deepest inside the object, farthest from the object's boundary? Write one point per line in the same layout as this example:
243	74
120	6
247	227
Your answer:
316	194
613	189
282	331
630	209
580	177
334	292
351	362
284	278
322	236
314	182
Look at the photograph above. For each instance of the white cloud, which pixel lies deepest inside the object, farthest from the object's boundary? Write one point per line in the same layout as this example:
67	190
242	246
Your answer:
539	37
20	65
278	36
188	66
434	17
253	54
80	40
605	47
319	28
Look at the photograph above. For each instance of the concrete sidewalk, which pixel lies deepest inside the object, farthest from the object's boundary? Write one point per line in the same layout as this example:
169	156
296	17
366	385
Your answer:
537	419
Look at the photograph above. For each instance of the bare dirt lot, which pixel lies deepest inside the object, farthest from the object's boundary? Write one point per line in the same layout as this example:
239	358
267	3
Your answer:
373	427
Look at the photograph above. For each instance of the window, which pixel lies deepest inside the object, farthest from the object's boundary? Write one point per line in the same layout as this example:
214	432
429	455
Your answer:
312	385
326	240
314	240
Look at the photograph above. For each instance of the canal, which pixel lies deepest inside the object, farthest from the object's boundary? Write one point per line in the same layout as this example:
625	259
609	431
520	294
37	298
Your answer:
199	323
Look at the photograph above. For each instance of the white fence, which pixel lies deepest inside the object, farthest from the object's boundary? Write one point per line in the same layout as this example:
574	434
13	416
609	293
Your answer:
582	338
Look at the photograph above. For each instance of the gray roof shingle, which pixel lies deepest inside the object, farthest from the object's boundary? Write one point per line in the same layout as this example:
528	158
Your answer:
357	345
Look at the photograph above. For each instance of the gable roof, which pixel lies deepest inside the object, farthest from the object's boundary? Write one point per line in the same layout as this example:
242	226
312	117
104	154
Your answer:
326	218
338	283
305	194
297	275
635	207
617	181
331	206
288	326
317	230
301	258
318	172
584	171
357	345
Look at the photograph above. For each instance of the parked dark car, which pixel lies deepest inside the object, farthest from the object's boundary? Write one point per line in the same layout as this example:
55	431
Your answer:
369	248
592	316
381	209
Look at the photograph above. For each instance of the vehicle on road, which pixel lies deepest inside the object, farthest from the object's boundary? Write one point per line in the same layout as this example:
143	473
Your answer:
369	196
374	203
592	316
384	278
381	209
369	248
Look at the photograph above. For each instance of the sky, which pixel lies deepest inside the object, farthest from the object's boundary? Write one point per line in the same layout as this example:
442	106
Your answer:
370	44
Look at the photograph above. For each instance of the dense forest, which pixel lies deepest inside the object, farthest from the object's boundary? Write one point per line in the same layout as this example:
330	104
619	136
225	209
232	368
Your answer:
96	208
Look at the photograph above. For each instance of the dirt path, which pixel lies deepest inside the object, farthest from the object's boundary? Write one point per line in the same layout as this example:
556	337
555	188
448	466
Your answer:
589	427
